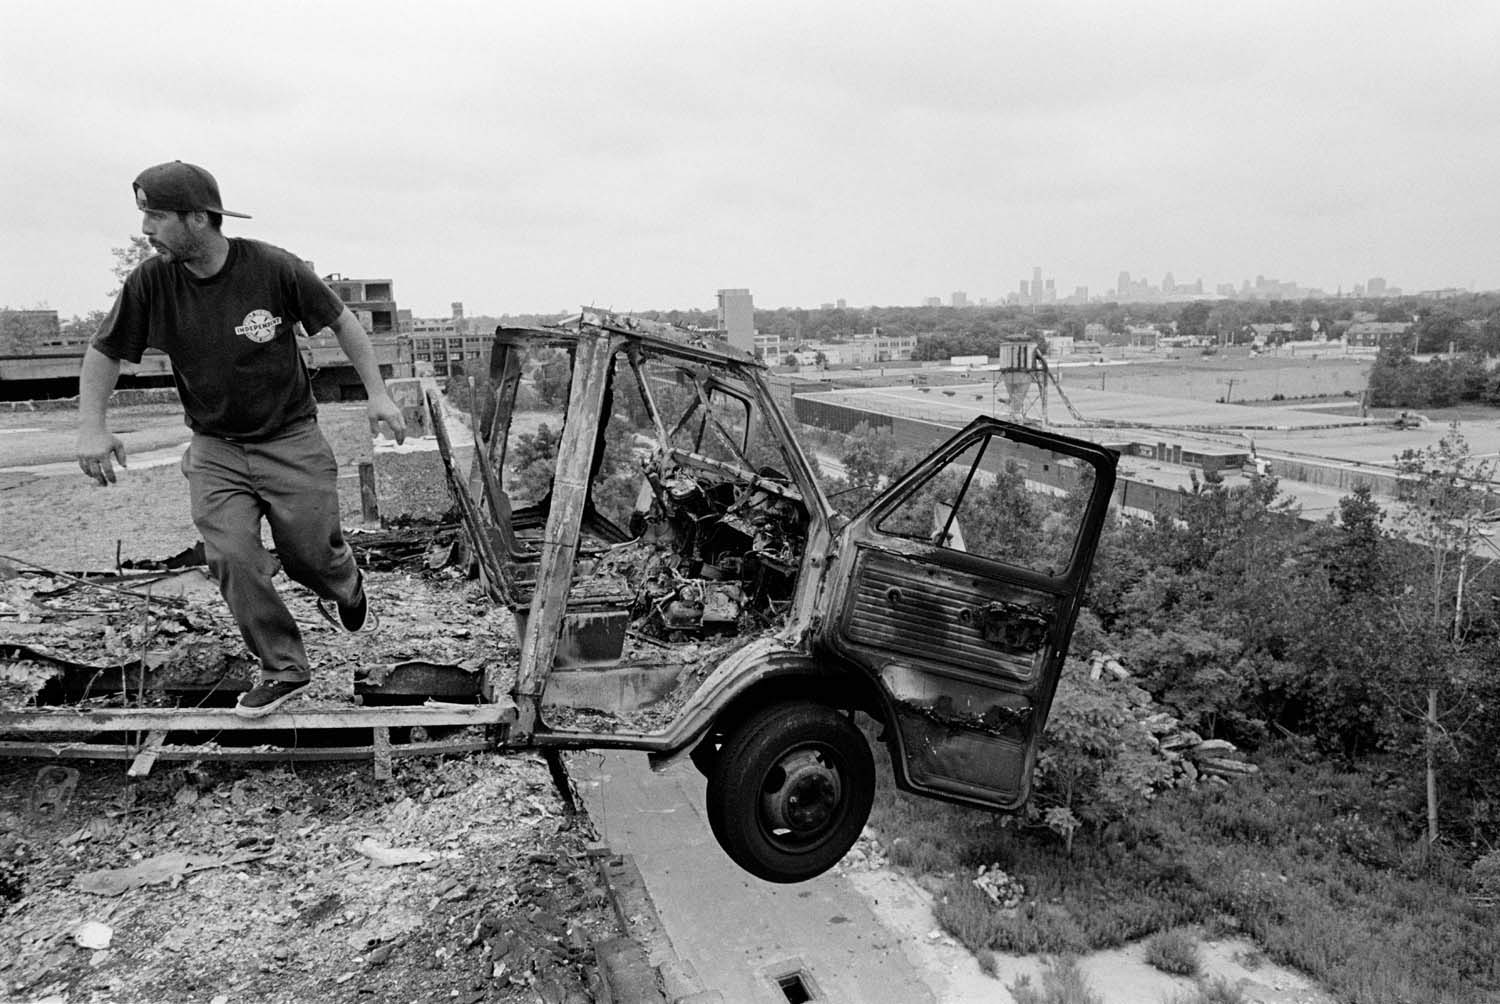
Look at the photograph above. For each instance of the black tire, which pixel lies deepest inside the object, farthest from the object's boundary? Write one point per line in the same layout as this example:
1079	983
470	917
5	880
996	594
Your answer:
706	754
790	790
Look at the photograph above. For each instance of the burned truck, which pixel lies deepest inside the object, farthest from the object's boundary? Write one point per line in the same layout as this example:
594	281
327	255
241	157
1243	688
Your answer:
681	585
662	568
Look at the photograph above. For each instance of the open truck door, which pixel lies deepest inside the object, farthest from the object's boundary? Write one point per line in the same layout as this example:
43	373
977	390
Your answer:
957	590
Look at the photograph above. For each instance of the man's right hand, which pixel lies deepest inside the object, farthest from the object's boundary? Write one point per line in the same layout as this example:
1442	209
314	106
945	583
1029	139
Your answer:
94	452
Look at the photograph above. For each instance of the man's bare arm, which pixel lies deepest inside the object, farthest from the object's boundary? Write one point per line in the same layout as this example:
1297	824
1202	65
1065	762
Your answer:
96	444
356	345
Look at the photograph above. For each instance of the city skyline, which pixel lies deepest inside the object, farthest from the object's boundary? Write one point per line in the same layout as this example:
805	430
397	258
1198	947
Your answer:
877	152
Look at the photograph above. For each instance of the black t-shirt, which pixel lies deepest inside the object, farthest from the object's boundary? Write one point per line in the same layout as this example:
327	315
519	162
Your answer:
230	337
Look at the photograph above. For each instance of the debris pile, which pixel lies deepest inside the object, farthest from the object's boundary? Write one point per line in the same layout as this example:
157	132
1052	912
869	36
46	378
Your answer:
1192	757
1004	890
165	638
463	879
867	854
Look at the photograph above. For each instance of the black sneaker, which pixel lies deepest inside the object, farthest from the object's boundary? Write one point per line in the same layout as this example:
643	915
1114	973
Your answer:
353	618
268	695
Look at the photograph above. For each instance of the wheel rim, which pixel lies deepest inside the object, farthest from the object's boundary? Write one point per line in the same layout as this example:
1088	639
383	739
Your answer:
801	797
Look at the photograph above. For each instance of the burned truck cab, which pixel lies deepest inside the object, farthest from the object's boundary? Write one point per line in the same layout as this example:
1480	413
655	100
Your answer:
681	585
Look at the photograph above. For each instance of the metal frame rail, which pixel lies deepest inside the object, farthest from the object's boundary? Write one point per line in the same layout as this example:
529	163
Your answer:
147	730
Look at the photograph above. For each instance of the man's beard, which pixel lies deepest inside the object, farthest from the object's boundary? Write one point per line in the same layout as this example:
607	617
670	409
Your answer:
187	251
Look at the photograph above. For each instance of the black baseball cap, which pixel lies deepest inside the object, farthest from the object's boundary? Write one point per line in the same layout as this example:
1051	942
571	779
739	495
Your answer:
179	188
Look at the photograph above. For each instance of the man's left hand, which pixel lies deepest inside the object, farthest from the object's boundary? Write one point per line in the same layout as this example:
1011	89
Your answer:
383	409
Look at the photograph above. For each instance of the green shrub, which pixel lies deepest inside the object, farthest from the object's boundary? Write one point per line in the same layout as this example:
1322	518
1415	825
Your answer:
1096	761
1062	983
967	914
1486	874
1174	952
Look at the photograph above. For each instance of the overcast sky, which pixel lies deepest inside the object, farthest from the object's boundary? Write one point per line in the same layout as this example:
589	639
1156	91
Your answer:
641	155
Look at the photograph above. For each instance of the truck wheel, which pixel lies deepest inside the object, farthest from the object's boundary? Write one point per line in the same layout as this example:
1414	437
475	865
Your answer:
706	754
790	790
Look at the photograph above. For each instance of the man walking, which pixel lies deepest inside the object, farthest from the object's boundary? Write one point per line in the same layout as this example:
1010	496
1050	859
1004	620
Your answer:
224	310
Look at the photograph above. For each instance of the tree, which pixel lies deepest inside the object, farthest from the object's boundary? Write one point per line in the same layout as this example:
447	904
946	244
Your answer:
1192	320
1003	517
1225	322
1449	494
532	461
1489	334
1355	559
1197	672
82	329
1441	330
127	258
1097	764
1394	380
870	462
551	380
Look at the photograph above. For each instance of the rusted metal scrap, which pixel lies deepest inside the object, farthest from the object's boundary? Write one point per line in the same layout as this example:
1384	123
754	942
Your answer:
995	720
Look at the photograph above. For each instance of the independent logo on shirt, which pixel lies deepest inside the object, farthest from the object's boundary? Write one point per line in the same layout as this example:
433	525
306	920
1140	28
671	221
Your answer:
258	326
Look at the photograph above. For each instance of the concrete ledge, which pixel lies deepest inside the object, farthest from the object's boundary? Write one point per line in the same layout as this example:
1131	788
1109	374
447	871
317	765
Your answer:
674	978
626	975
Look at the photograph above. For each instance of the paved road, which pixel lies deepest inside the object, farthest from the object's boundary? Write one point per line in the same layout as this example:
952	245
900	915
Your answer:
738	933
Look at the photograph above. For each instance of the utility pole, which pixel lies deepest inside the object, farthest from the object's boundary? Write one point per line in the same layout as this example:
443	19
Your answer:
1230	382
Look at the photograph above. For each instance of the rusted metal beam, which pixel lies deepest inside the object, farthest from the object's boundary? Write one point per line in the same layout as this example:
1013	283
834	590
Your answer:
570	490
500	712
256	754
505	375
496	500
496	573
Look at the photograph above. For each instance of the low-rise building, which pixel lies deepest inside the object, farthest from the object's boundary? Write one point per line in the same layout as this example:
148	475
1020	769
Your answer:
1261	335
1376	334
373	303
768	347
1058	345
863	349
893	348
448	346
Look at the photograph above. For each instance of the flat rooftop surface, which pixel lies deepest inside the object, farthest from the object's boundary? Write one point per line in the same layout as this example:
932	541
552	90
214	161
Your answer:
961	402
1315	430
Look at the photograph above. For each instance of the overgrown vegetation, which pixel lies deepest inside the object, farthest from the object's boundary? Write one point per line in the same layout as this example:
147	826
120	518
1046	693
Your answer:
1355	665
1310	860
1175	952
1214	991
1062	983
1398	380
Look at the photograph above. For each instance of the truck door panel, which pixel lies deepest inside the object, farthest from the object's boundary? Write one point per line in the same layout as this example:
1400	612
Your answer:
959	590
943	616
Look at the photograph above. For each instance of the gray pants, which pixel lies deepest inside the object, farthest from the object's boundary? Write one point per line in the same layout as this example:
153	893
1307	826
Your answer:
292	482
